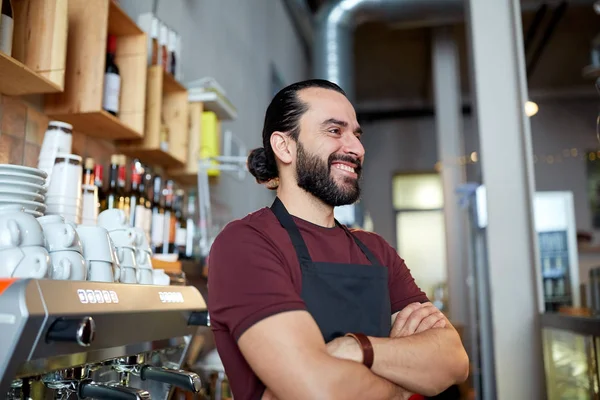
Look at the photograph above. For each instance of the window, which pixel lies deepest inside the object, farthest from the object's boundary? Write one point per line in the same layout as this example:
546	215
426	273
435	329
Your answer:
420	233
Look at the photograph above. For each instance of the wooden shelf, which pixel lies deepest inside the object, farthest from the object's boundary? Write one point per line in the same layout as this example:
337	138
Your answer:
37	63
119	23
90	23
99	124
188	175
152	156
16	79
214	102
166	100
170	84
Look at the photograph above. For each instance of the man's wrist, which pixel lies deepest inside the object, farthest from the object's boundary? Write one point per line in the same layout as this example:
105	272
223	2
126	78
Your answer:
366	348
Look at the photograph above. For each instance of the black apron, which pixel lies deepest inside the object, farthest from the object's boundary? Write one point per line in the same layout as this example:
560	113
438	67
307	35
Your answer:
342	298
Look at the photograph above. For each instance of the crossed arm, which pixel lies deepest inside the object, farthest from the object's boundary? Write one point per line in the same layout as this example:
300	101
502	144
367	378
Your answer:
422	355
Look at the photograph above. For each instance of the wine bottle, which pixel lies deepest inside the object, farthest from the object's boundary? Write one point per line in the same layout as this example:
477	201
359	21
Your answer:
180	225
6	27
112	79
158	217
111	197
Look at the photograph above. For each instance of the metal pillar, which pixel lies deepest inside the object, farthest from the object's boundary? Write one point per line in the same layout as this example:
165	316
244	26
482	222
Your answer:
499	91
449	128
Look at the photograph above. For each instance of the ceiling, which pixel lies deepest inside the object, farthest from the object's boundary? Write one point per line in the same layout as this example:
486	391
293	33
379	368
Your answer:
393	65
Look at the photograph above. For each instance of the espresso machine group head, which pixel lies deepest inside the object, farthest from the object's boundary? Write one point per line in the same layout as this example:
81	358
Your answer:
71	339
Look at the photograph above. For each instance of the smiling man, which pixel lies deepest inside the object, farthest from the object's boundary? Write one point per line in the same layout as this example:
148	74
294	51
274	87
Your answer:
302	307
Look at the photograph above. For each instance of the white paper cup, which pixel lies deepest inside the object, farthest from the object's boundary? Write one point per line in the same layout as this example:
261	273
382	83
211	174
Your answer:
66	176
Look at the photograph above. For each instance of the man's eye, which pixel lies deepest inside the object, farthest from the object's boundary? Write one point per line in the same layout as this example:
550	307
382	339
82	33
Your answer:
335	131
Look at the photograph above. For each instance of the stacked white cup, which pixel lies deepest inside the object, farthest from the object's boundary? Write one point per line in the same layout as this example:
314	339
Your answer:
124	238
89	213
143	254
65	248
57	139
22	248
99	253
64	192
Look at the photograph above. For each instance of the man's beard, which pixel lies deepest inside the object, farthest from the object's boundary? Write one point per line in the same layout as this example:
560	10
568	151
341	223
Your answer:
314	176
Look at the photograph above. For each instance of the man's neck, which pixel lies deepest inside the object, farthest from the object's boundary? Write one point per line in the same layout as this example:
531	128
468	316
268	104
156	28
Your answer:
302	204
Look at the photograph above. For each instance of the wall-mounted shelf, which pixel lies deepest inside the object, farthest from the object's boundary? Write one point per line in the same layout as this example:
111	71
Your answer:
90	23
37	63
188	175
17	79
166	100
215	103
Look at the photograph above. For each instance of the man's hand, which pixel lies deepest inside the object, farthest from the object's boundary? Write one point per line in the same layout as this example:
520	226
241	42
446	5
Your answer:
416	318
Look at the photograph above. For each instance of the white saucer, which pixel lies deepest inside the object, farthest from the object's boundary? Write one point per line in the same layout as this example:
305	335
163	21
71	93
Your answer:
8	185
20	177
28	205
23	170
18	195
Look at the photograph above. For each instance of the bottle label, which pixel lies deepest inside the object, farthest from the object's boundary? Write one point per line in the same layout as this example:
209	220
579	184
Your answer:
112	89
158	221
148	221
140	217
6	34
181	237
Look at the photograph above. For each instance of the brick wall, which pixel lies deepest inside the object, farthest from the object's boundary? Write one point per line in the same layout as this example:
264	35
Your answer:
22	127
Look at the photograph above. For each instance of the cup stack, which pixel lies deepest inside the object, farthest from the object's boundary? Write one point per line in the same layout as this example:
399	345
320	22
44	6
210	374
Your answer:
143	255
57	139
65	248
124	238
64	192
21	245
89	213
99	254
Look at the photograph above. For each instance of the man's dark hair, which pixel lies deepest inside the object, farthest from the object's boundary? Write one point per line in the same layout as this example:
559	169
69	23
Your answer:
283	115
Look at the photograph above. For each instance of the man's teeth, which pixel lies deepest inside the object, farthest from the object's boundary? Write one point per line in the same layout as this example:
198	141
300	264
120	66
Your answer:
344	167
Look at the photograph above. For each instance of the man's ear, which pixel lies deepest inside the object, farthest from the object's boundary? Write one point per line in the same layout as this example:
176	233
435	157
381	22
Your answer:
280	142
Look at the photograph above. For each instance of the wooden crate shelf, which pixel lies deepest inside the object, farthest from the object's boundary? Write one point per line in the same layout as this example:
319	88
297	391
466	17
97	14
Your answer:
90	23
188	174
16	79
38	60
166	99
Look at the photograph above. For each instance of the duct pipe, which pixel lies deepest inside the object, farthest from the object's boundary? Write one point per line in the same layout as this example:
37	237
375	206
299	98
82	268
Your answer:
335	22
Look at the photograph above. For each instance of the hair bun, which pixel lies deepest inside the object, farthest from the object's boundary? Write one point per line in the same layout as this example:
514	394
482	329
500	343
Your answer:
260	167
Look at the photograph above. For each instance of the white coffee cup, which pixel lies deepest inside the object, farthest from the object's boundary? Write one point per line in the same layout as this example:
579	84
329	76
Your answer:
113	220
97	245
126	257
141	240
18	228
159	277
89	204
66	176
60	235
144	276
100	271
143	259
128	275
24	262
123	237
68	265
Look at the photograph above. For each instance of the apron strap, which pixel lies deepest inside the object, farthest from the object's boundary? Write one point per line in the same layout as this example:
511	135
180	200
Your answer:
360	244
285	219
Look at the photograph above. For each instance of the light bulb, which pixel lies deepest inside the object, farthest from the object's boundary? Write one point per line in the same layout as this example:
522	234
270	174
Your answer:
531	108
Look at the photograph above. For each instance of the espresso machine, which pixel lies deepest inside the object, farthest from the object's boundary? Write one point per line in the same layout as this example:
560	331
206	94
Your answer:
84	340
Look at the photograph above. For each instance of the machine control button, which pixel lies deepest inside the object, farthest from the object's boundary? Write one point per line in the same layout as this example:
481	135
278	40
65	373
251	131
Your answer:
76	330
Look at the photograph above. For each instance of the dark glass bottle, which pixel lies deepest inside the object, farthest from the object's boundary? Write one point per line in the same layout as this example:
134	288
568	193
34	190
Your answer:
158	216
169	222
180	224
112	79
112	193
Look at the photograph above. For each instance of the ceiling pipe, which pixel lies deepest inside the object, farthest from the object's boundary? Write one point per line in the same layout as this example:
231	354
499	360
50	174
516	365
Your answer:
335	23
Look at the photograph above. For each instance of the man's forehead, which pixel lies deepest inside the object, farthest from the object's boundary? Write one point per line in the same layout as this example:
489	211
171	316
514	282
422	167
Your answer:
325	103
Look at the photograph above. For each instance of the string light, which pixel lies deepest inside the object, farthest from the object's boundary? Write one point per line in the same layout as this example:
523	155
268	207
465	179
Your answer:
531	108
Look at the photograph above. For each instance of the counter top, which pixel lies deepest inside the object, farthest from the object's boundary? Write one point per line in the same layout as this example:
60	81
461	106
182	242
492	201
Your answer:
578	324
